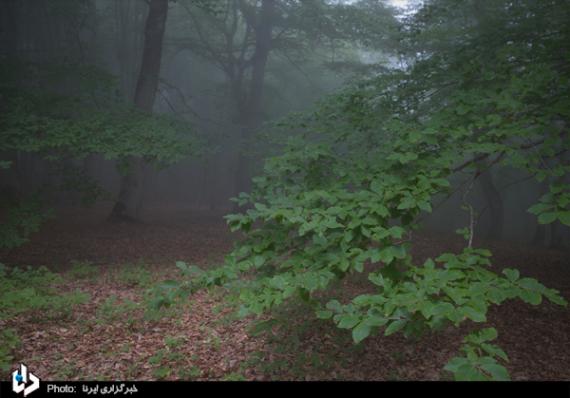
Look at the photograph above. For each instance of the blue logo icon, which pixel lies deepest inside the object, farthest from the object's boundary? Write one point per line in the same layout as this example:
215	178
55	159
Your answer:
20	379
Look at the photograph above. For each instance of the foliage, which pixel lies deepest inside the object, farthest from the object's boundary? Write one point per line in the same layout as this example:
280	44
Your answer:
480	362
433	296
168	358
135	276
234	376
43	124
21	220
38	116
114	310
10	342
346	195
34	291
83	270
31	292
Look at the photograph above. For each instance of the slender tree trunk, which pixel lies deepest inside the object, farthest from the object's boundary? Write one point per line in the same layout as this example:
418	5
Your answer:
128	203
10	34
251	114
129	43
495	205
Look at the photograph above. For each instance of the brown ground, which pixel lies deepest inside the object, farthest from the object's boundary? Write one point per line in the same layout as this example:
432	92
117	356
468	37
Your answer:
213	345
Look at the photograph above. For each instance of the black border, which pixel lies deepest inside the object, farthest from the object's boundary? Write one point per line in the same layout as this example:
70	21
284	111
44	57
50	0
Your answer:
163	389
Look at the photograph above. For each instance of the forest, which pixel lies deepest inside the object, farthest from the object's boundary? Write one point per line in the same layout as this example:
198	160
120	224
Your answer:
285	190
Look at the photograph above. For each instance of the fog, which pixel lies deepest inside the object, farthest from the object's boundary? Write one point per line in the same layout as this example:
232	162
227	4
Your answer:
271	189
208	55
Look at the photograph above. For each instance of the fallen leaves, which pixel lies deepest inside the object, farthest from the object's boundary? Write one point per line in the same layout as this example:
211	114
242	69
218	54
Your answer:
214	346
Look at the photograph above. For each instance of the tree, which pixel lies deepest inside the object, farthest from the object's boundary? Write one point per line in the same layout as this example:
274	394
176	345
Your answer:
240	36
62	109
126	206
346	195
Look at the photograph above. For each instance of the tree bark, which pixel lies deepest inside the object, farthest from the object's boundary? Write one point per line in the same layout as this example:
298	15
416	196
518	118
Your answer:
495	206
128	204
251	118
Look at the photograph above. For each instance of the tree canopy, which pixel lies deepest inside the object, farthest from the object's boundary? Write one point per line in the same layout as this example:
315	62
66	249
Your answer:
486	86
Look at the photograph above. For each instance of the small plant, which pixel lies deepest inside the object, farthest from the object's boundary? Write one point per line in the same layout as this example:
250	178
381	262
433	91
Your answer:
162	295
161	372
64	370
171	357
114	309
156	358
132	371
33	291
134	276
234	376
10	342
480	362
173	342
192	373
214	341
83	270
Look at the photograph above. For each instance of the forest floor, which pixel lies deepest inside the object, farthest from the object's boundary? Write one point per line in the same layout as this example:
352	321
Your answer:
108	337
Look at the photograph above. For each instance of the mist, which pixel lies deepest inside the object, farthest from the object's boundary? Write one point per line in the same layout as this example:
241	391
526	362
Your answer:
283	158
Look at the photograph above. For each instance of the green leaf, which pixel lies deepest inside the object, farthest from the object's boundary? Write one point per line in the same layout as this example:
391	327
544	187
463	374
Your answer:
361	332
474	314
376	187
547	218
442	309
564	217
554	296
496	371
511	274
530	297
407	203
395	326
494	351
539	208
487	334
182	265
468	372
396	232
348	321
258	261
531	284
334	305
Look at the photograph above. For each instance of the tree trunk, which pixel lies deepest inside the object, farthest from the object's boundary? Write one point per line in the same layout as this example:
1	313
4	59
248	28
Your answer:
251	113
495	206
128	204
